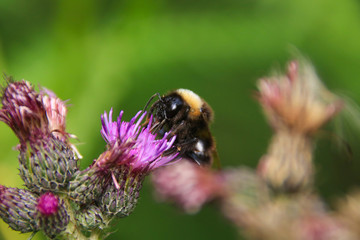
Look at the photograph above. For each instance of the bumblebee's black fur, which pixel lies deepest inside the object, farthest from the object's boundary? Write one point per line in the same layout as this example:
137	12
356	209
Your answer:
187	119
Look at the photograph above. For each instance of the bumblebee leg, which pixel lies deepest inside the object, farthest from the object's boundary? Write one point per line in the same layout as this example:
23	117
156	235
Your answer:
151	98
157	126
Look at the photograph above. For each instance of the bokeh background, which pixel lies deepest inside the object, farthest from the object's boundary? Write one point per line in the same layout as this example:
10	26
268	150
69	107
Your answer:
117	53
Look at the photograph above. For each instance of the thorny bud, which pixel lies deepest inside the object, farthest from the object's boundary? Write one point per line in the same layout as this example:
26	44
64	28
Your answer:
91	218
188	185
49	166
47	160
18	209
51	215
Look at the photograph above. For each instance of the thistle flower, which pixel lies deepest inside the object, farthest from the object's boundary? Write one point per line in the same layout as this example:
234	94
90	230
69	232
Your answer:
47	160
132	145
188	185
132	152
18	209
51	215
297	100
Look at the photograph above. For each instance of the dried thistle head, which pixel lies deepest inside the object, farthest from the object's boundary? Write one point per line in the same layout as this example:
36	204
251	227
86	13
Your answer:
294	218
22	110
32	115
349	211
287	166
297	100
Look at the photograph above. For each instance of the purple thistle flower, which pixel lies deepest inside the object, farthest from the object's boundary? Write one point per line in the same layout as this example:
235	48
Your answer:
132	152
133	145
48	204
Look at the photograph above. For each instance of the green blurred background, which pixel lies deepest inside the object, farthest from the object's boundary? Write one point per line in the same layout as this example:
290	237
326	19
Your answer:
111	53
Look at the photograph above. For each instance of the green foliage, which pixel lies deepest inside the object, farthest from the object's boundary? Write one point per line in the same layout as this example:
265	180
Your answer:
103	54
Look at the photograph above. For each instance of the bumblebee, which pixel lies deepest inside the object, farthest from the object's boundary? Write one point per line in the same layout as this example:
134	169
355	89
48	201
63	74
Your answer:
186	115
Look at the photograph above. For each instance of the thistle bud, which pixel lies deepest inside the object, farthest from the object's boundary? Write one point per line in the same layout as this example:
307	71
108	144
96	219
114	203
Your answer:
18	209
121	195
48	166
188	185
86	186
51	214
47	160
91	218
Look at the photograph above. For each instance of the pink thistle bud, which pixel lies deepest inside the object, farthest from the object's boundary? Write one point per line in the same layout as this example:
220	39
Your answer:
188	185
48	204
52	216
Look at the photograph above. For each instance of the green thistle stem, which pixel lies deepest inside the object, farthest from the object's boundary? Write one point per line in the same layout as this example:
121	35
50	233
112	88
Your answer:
96	234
